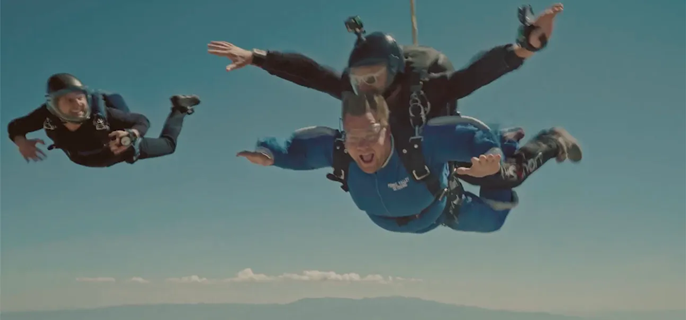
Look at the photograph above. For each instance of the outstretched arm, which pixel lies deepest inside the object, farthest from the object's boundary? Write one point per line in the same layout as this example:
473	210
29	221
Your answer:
302	70
293	67
19	127
307	149
498	61
487	68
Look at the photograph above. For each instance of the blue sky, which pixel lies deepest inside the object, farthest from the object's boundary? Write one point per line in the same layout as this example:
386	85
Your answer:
607	234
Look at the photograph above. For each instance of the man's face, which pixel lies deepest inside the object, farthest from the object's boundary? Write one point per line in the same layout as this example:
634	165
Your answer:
74	104
367	141
369	79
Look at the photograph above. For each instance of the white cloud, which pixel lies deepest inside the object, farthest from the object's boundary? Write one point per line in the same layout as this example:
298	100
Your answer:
247	275
98	279
407	279
315	275
190	279
138	280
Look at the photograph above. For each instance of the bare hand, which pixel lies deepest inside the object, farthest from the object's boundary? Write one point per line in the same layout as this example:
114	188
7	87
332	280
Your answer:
239	56
484	165
28	149
256	158
545	22
115	141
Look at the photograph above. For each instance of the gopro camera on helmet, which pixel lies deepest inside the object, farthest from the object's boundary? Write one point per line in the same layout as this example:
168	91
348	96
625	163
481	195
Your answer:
354	24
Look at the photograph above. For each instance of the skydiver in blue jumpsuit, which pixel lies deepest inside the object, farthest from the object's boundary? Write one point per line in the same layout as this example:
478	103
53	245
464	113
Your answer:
95	129
378	180
378	64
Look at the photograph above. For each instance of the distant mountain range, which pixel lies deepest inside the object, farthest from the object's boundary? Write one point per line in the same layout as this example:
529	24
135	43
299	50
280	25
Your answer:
388	308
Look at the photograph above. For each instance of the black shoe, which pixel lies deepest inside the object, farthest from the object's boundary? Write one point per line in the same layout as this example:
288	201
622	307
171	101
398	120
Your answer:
569	146
185	103
555	143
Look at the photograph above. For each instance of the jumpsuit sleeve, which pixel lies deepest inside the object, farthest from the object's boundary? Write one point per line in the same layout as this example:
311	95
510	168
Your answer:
307	149
486	68
306	72
446	140
120	120
19	127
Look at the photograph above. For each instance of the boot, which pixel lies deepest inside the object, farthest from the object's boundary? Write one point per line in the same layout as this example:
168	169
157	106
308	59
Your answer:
552	143
569	146
185	103
548	144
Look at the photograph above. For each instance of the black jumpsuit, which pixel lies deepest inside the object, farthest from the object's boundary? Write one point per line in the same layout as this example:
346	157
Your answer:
88	147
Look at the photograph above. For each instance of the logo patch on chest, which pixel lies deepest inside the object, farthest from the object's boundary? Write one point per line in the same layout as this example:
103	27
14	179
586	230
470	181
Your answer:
402	184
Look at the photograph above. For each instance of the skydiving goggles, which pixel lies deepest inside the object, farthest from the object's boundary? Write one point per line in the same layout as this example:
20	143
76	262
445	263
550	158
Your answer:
371	79
358	137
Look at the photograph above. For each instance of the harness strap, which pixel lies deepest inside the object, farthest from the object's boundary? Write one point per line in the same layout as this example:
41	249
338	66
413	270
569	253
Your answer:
454	201
341	162
420	106
409	146
98	112
411	154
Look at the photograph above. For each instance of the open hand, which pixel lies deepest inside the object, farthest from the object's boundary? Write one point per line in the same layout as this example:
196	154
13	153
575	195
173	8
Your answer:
484	165
256	158
545	22
28	149
238	56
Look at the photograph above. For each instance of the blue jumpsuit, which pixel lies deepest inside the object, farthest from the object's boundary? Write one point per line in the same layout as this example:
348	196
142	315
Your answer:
391	193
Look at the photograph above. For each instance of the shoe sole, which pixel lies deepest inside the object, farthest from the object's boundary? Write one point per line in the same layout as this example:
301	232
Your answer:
185	100
574	152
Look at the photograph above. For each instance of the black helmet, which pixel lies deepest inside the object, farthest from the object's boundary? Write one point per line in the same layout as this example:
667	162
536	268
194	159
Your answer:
376	48
63	81
60	84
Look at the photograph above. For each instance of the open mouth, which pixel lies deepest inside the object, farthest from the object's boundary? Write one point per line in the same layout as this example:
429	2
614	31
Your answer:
367	158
